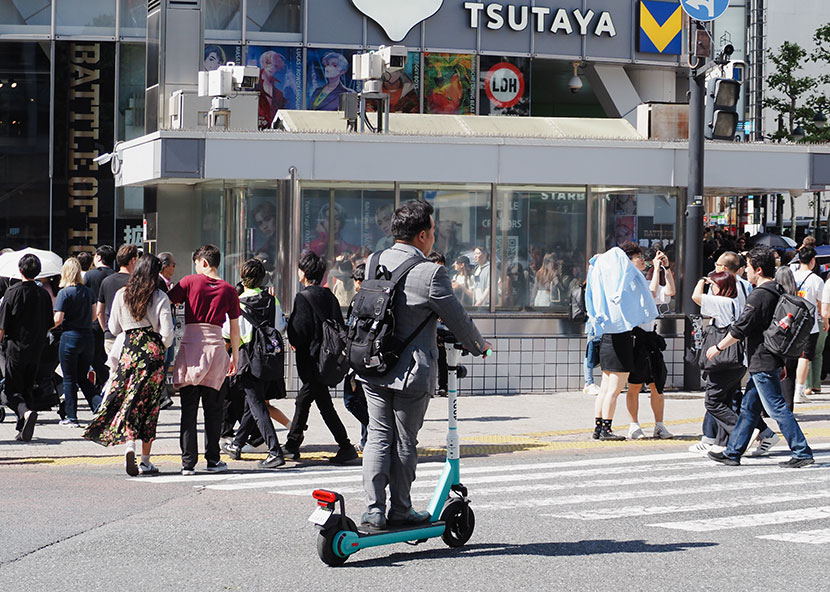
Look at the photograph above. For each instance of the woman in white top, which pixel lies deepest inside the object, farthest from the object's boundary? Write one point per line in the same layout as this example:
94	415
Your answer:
130	412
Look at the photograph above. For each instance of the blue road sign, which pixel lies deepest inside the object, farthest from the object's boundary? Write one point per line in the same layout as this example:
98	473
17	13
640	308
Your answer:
705	10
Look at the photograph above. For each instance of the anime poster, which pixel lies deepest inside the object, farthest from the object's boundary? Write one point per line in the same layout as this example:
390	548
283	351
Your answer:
280	79
404	86
329	75
448	83
504	86
219	55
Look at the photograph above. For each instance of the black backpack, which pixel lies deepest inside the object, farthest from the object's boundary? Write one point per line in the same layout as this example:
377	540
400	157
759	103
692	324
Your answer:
577	310
265	352
374	349
789	331
332	361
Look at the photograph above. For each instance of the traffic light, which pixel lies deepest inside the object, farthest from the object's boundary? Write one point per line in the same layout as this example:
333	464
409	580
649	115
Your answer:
722	96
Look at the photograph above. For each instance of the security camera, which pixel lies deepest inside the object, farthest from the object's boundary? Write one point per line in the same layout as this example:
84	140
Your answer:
728	50
575	84
102	158
394	57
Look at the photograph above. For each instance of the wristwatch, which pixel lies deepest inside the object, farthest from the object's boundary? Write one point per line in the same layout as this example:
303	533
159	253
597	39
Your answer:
717	348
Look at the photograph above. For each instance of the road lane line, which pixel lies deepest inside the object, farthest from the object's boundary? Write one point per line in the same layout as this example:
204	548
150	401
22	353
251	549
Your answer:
749	520
810	537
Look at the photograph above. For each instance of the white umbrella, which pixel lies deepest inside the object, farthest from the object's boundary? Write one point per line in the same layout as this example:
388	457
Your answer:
50	263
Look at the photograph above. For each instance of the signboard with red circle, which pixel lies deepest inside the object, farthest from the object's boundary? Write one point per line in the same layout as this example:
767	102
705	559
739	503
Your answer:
504	85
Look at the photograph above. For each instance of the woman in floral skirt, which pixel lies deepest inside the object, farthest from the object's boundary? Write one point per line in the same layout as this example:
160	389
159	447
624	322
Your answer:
130	412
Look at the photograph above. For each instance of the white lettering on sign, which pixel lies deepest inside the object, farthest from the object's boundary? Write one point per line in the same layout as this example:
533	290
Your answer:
519	18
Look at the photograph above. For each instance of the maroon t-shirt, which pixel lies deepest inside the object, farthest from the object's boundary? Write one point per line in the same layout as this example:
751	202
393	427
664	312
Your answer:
206	300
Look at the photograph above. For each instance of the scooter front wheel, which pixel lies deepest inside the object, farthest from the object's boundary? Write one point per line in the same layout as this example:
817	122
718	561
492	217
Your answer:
327	539
460	523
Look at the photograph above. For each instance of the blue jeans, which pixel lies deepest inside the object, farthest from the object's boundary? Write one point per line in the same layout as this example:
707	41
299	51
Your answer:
763	391
591	359
75	352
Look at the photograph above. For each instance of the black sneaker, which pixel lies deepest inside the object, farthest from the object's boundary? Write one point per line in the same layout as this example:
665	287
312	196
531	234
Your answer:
129	463
29	421
723	459
609	436
796	463
596	433
344	455
291	453
165	402
272	462
232	451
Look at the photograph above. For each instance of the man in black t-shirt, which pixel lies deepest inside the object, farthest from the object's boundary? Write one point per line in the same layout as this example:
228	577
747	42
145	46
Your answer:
102	268
764	368
125	258
25	320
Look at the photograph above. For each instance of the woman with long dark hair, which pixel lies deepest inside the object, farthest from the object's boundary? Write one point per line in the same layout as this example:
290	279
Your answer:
142	312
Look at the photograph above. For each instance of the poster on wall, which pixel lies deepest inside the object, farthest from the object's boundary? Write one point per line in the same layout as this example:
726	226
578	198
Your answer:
404	86
219	55
329	75
280	79
504	86
448	83
83	192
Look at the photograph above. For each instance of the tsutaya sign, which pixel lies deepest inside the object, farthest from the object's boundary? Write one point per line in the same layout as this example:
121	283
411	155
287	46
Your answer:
519	18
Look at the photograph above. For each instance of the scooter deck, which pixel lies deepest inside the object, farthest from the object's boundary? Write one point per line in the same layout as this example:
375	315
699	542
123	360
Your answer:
364	531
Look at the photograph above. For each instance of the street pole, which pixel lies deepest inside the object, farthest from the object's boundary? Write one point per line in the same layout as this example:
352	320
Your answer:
693	239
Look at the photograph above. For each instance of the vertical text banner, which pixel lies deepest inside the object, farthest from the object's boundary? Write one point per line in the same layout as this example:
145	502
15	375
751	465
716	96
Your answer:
83	193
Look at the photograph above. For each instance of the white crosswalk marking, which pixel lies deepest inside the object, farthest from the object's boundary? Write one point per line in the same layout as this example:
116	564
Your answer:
812	537
749	520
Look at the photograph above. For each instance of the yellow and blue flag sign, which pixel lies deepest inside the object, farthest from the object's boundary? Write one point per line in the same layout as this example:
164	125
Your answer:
661	24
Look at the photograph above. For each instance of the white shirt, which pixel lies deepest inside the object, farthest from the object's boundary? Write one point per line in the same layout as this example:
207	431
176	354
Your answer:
722	310
811	288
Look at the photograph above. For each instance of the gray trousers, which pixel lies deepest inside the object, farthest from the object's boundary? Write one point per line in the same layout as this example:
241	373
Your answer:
391	455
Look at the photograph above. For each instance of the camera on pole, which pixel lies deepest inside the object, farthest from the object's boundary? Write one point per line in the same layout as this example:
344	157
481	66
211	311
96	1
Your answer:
722	96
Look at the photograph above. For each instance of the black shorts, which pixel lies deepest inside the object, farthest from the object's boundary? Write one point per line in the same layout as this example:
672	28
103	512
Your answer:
616	352
810	349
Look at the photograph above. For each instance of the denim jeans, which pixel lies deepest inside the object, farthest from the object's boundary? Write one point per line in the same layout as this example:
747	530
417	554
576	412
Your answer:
75	352
763	391
591	358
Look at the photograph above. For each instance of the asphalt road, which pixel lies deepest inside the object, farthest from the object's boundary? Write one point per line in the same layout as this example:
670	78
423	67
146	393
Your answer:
651	519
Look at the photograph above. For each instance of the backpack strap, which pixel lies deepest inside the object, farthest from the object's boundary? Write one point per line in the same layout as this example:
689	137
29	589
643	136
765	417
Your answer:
315	308
798	289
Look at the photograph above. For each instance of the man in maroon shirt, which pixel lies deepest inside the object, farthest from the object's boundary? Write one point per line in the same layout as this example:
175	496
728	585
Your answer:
202	362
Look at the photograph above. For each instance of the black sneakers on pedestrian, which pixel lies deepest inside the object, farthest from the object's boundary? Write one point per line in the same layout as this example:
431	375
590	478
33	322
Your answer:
344	456
28	429
291	453
129	463
232	450
723	459
796	463
609	436
273	461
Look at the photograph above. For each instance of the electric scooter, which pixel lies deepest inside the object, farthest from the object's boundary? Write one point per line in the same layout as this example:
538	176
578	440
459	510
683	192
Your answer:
451	516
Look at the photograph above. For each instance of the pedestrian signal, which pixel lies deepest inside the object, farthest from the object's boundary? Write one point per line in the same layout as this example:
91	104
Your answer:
722	96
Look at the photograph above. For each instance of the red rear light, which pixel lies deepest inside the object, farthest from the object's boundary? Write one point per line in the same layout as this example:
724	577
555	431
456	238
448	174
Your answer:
325	496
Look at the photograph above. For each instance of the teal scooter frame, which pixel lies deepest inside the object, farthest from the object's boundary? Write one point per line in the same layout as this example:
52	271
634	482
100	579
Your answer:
451	516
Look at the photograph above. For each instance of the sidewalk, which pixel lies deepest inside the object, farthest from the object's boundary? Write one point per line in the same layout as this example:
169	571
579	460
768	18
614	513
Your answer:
488	424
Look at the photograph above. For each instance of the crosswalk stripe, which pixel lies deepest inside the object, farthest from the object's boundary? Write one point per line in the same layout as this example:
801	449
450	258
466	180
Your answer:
749	520
811	537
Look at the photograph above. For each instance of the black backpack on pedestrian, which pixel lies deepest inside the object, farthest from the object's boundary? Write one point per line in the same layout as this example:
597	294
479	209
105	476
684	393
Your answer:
789	332
265	353
373	347
577	311
332	361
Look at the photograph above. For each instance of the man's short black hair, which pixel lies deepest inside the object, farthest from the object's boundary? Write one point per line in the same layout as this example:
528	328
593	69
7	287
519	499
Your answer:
209	253
107	255
252	273
313	266
631	249
29	266
125	254
762	257
437	257
806	254
410	219
85	259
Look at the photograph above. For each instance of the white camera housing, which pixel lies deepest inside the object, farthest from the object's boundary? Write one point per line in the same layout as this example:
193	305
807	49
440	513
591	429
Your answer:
374	64
227	80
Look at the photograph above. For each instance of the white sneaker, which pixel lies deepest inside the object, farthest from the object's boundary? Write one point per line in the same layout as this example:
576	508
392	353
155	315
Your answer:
803	398
253	449
716	448
636	434
591	389
765	444
661	433
701	447
147	469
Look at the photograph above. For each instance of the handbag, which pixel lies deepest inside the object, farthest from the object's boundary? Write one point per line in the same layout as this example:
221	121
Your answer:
731	358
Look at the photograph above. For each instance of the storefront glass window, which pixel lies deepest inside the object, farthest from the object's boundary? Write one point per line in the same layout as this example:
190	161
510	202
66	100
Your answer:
24	145
263	225
462	233
26	16
540	242
131	66
82	17
223	19
266	17
133	18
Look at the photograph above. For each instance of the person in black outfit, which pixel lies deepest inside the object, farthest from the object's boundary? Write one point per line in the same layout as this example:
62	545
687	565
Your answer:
305	335
354	399
102	268
25	320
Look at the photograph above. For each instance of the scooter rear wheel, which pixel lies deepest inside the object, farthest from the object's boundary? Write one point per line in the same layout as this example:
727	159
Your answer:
326	541
2	415
460	523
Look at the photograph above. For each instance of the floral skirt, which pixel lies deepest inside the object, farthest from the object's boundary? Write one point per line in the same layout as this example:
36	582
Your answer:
131	410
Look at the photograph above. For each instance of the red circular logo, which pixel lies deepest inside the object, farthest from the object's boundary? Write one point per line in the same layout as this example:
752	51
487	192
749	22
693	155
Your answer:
504	85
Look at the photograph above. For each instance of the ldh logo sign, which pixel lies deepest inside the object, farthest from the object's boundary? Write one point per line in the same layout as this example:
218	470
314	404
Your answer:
397	17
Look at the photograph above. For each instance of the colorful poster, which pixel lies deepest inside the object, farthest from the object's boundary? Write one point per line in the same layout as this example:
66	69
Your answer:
504	86
448	83
280	79
219	55
329	76
404	86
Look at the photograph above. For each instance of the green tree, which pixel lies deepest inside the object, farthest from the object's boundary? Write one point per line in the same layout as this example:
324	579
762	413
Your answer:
789	100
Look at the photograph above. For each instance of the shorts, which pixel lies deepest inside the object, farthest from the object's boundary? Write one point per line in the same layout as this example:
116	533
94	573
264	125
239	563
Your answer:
810	349
641	371
616	352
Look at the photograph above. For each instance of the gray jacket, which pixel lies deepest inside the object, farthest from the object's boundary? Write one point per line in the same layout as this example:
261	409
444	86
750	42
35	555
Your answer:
427	290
